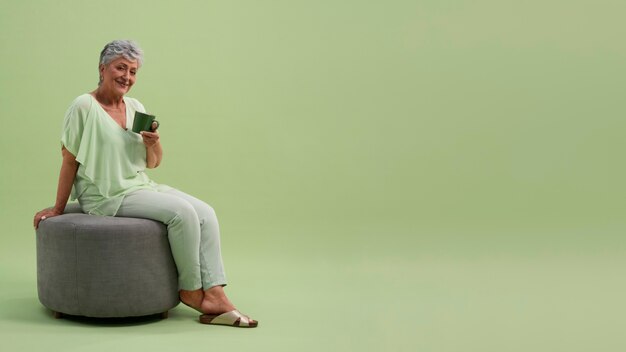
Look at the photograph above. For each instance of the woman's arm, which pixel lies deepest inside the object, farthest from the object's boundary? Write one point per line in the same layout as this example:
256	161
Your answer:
154	155
69	166
154	152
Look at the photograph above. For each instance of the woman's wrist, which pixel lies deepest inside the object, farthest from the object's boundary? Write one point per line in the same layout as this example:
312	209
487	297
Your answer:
59	209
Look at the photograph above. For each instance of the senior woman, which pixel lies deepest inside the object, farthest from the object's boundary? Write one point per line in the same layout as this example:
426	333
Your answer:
103	167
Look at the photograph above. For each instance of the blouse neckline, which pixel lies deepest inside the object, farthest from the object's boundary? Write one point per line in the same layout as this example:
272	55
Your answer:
110	118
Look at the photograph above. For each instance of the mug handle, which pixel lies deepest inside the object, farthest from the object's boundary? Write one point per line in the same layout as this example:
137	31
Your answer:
157	126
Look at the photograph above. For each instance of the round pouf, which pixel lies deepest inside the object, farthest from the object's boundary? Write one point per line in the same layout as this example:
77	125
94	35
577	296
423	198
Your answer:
102	266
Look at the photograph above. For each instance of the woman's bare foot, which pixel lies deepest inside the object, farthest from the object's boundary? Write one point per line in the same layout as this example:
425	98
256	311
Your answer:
215	301
192	298
212	301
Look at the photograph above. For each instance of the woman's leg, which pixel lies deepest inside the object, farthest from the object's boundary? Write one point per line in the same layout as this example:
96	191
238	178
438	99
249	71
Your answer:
183	228
193	234
212	299
211	264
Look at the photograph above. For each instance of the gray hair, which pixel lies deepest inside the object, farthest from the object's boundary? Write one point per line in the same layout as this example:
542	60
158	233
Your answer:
127	49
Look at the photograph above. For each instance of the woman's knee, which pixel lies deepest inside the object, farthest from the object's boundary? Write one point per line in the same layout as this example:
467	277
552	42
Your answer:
185	211
175	210
206	213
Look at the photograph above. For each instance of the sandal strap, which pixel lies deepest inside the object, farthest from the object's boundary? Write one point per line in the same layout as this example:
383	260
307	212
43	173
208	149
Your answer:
230	318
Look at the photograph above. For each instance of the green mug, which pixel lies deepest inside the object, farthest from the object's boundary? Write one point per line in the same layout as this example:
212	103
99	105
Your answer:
143	122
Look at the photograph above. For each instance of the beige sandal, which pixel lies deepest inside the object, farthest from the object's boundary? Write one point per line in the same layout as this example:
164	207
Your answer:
232	318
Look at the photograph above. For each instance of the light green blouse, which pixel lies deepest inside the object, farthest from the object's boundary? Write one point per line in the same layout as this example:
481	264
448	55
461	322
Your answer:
112	160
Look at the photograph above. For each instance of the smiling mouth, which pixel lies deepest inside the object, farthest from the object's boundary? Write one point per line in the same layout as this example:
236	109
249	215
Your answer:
123	84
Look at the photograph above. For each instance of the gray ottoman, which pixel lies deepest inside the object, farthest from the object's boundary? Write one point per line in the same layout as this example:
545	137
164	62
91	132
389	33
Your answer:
100	266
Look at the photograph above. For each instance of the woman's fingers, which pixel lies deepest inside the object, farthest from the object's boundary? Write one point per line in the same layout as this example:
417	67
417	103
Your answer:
43	215
38	217
149	138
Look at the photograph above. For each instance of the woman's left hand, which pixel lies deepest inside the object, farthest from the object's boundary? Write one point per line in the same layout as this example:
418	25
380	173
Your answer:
150	139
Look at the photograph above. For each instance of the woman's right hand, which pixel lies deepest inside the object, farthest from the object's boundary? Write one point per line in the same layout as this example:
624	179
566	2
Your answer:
43	215
66	180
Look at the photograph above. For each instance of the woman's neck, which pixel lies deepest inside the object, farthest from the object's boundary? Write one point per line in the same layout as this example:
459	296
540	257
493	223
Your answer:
108	99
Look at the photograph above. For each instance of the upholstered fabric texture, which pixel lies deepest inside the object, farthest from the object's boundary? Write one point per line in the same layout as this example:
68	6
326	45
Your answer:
101	266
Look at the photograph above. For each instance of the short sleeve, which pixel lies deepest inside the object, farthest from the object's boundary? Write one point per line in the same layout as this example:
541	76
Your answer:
74	124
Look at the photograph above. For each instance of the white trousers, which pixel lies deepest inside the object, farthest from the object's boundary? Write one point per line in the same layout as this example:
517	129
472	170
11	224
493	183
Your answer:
193	233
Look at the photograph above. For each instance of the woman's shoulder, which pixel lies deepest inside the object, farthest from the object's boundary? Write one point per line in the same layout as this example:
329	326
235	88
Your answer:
82	102
135	104
79	109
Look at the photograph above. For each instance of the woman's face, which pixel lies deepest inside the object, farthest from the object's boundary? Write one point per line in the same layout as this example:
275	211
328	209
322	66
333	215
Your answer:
119	75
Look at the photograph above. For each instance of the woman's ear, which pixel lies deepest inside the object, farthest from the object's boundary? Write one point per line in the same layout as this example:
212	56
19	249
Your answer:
101	71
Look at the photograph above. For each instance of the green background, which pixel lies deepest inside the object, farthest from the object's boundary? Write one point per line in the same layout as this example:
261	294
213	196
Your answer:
389	175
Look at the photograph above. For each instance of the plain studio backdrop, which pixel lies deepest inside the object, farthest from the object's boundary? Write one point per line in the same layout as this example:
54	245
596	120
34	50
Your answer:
389	175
